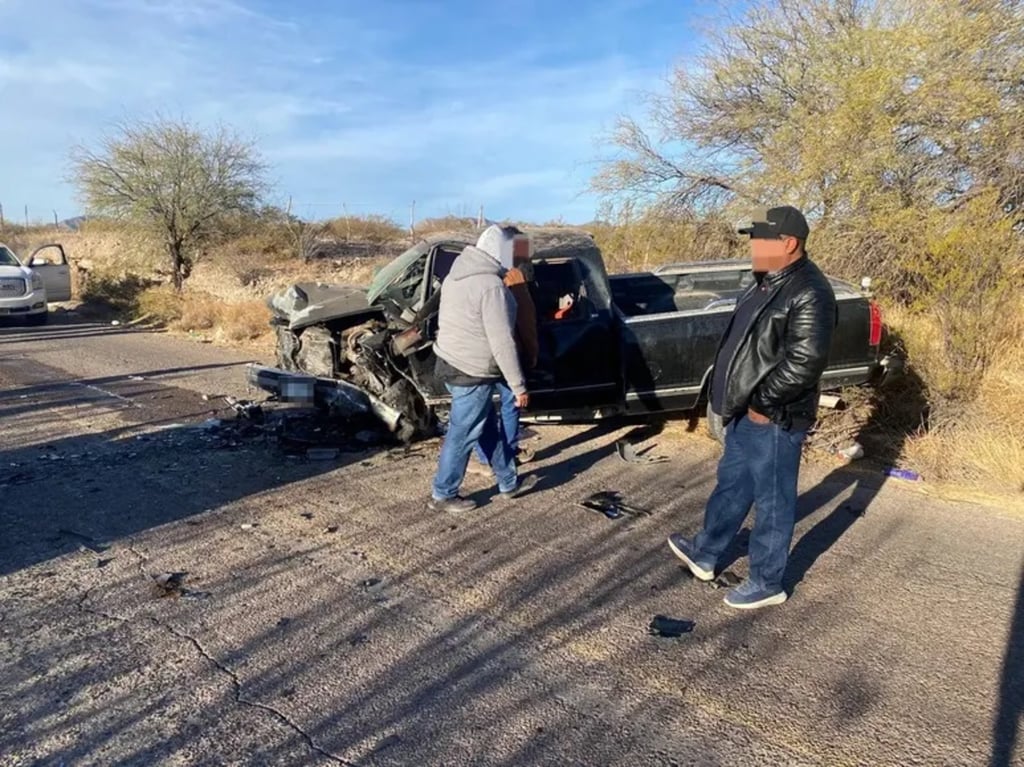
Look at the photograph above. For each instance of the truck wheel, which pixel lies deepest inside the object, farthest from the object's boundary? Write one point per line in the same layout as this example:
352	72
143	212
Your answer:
715	428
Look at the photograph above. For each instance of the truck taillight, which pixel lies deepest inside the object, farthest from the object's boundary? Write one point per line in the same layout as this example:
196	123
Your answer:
876	325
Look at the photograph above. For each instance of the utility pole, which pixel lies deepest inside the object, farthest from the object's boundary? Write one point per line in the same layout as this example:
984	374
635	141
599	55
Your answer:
55	224
26	216
412	218
480	218
1	217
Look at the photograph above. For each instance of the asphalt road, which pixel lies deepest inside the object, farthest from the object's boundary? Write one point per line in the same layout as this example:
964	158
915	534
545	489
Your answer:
325	617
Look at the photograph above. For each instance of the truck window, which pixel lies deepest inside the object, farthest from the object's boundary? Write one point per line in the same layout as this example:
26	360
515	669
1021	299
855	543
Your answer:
553	280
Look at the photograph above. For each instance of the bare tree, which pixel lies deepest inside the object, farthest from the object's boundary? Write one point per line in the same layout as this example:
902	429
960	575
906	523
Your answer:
172	178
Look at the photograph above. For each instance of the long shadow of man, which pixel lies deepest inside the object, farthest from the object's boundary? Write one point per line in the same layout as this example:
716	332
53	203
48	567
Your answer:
897	410
1010	707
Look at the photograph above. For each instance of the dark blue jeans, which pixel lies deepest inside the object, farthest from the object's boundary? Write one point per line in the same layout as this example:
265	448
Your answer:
472	420
509	420
759	468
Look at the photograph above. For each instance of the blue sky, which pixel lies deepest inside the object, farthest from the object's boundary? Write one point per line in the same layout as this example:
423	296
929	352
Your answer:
357	106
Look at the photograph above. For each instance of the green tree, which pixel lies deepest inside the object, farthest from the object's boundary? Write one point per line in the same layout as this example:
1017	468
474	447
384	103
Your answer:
173	179
895	124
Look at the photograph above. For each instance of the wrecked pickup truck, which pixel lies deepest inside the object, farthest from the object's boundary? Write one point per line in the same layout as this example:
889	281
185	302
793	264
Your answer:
629	344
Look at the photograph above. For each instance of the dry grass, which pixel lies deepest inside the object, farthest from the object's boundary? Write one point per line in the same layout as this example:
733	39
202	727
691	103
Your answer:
917	424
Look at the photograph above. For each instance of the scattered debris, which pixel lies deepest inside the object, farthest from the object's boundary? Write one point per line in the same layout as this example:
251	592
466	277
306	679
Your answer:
249	525
629	454
169	584
283	622
727	580
852	452
101	563
245	408
670	628
369	583
359	639
906	474
306	515
331	529
610	503
136	378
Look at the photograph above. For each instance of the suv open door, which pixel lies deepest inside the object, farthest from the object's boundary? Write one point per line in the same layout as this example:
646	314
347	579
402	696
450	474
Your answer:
51	263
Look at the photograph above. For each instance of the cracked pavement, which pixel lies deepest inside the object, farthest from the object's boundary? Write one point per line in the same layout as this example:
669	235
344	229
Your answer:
325	617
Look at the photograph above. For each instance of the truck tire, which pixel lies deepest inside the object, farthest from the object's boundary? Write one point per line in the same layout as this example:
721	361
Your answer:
715	428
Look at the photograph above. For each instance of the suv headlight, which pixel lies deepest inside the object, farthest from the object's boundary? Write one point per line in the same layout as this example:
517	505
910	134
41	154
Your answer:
37	281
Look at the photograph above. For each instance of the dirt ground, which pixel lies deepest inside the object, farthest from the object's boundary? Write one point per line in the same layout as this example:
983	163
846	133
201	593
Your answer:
178	591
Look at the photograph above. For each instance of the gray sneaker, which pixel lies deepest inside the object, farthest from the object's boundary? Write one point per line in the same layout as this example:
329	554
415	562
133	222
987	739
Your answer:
455	505
524	486
702	570
750	596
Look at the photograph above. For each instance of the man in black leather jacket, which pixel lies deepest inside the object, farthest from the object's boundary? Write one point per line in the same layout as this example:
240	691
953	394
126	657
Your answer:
765	386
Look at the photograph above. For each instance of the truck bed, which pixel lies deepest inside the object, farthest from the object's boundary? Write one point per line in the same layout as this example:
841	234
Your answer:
674	317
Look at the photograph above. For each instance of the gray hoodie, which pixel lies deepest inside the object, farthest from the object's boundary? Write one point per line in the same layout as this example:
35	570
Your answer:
476	321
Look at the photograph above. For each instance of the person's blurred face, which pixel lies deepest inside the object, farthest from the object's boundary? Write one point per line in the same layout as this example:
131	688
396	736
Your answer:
520	249
770	255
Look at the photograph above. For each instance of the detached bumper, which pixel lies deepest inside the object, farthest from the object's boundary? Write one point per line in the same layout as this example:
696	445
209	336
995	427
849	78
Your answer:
339	397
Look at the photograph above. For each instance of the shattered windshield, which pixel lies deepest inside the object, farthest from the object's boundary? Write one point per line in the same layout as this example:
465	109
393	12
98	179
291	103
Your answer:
7	258
394	271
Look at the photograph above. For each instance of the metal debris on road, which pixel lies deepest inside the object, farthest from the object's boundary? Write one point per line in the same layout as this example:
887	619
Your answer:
628	453
727	580
610	503
670	628
169	584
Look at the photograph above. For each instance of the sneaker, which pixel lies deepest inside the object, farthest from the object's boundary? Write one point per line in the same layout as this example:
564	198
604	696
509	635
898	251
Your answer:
749	596
523	486
702	569
456	504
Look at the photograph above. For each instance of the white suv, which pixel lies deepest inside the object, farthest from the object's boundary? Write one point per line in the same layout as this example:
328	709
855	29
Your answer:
25	288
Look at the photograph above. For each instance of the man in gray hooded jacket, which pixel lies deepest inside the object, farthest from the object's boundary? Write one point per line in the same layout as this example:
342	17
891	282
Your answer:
475	350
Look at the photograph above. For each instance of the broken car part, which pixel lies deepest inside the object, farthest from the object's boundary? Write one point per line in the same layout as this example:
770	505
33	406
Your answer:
610	504
670	628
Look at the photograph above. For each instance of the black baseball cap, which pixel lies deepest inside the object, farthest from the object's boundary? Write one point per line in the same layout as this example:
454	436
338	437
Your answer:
783	220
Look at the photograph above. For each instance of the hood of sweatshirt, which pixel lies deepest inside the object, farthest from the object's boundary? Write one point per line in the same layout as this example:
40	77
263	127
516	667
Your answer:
499	244
473	262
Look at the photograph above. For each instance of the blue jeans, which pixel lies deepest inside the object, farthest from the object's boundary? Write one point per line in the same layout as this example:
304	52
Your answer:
472	420
759	468
509	417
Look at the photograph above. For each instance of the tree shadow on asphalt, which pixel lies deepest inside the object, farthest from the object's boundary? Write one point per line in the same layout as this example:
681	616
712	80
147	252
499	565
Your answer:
62	495
1010	705
518	640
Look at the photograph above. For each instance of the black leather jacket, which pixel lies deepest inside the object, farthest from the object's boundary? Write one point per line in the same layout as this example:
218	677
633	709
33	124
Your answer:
777	367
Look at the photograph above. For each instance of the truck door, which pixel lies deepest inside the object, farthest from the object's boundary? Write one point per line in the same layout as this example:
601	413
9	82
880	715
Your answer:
579	355
51	263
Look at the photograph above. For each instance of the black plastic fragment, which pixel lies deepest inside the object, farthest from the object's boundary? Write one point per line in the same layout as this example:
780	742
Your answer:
671	628
610	503
726	580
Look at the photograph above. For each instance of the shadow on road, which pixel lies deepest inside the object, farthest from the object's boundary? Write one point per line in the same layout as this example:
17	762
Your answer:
1010	706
